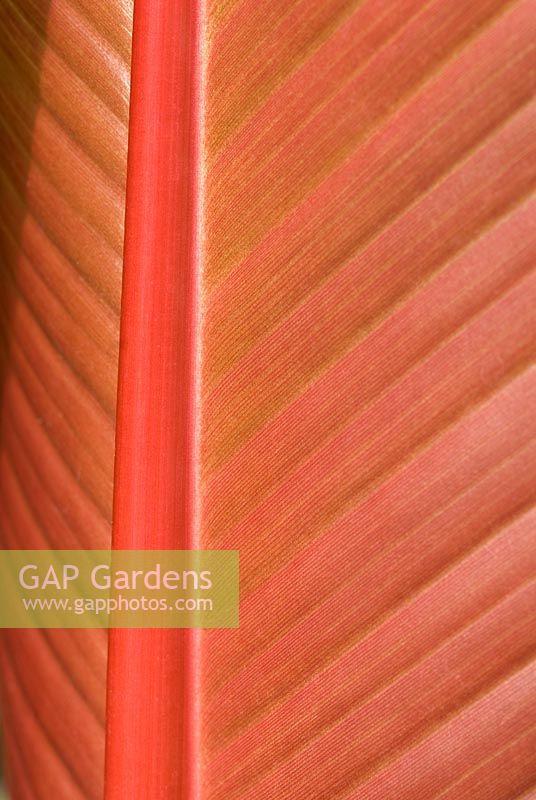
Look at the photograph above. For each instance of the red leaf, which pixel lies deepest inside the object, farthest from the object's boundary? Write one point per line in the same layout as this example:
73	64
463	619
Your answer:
326	362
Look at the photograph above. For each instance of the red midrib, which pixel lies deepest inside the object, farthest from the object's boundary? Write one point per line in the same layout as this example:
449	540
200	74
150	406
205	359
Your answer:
150	724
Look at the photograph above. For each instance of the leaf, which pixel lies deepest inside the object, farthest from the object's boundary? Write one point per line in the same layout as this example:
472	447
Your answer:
326	362
368	390
64	94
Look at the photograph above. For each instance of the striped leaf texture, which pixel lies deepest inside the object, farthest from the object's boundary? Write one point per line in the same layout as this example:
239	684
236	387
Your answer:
369	399
64	87
326	362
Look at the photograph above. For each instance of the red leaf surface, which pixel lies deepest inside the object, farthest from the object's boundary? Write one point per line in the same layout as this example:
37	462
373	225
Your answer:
64	88
326	362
